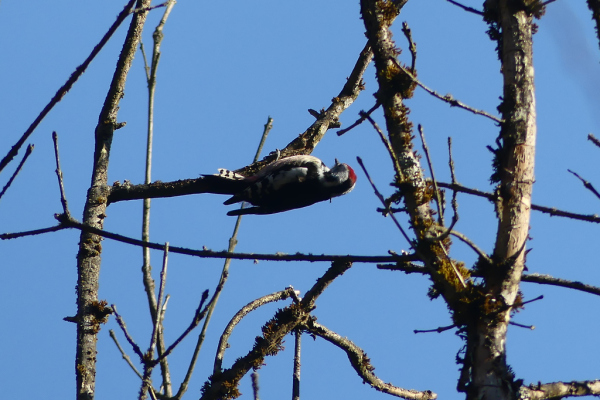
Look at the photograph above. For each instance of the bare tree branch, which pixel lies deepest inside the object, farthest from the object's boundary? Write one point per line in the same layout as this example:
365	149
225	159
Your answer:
222	279
591	137
237	318
541	279
547	210
71	223
559	390
14	175
469	9
224	384
124	354
129	338
59	174
362	364
586	184
68	85
448	98
296	364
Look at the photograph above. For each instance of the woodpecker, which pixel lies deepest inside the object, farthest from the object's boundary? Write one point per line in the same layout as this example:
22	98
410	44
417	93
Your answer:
285	184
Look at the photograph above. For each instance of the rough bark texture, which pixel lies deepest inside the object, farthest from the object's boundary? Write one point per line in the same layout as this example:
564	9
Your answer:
395	86
491	377
90	312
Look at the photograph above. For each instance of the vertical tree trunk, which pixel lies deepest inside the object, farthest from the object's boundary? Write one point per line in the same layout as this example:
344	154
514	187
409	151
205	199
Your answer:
491	377
90	311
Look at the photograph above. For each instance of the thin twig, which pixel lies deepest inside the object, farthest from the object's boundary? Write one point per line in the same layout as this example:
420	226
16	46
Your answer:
412	47
248	308
223	278
362	365
436	330
586	184
360	120
456	271
153	303
123	354
14	175
255	387
144	9
594	140
436	190
132	342
7	236
531	327
387	145
469	9
380	197
540	297
472	245
547	210
68	85
59	174
447	98
161	289
200	313
296	369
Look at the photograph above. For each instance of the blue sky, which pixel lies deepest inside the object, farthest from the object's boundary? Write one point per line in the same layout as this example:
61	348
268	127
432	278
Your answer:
222	73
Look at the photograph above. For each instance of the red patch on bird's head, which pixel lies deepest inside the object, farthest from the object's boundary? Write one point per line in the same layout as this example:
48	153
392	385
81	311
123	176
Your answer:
351	173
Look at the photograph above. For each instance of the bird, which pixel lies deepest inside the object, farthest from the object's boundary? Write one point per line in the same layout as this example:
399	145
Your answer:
285	184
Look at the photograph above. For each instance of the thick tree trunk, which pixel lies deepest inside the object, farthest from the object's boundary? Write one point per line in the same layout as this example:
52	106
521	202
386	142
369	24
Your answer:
491	377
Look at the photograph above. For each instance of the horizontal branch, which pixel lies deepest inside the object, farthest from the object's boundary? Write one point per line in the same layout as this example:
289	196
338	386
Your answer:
554	212
71	223
121	192
558	390
550	280
410	268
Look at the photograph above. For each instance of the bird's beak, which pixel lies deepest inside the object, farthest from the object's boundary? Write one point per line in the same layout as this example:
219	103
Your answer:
336	161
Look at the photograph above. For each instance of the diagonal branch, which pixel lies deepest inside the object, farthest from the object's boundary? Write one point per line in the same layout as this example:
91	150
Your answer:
303	144
586	184
448	98
224	385
362	364
14	175
68	85
546	210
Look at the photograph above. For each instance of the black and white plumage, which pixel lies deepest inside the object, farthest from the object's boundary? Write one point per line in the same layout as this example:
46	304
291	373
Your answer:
286	184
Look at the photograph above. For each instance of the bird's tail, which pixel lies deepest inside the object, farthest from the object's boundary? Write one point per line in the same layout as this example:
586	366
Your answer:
224	183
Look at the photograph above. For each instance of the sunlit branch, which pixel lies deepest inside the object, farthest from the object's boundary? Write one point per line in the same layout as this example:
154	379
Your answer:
559	390
216	254
237	318
447	98
362	364
547	210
